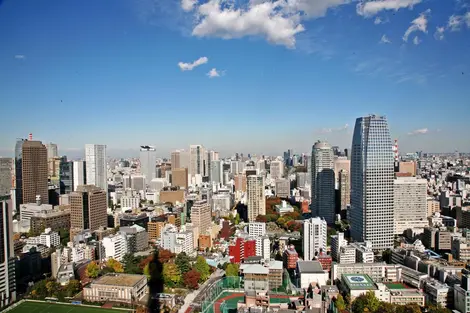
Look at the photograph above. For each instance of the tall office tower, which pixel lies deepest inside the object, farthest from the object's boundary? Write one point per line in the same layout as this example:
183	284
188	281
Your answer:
323	182
7	257
201	216
410	203
34	172
341	163
88	206
216	172
79	174
216	156
138	182
66	176
126	182
179	177
209	157
96	170
18	179
184	159
235	167
240	182
344	188
148	162
372	182
196	160
314	238
52	151
6	175
256	201
276	169
175	159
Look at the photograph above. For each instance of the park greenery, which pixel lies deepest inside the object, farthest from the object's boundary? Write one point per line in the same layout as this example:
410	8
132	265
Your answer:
51	288
288	221
368	302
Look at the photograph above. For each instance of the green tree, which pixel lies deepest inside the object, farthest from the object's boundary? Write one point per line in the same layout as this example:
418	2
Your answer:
64	234
437	309
115	266
52	288
92	270
232	270
340	303
131	264
237	219
203	268
171	274
386	307
365	302
72	288
183	263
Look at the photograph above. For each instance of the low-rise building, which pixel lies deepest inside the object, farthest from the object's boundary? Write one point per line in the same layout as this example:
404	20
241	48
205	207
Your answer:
311	273
124	288
284	208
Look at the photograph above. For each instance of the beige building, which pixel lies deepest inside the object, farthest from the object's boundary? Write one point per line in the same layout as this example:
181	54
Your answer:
407	167
88	208
240	182
172	196
155	230
175	159
197	154
433	206
341	163
126	288
409	203
34	171
54	219
344	189
201	216
179	177
256	200
53	165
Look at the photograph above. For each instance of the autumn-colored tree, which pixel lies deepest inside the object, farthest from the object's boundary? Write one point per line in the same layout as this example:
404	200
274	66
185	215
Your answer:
408	308
340	303
366	302
141	309
115	265
261	219
171	274
191	279
72	288
386	307
146	261
164	256
92	270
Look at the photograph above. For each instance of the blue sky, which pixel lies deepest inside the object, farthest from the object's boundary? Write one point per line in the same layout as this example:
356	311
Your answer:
284	73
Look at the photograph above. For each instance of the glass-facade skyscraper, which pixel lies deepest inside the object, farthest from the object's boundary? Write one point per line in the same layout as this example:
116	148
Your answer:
323	182
148	163
372	176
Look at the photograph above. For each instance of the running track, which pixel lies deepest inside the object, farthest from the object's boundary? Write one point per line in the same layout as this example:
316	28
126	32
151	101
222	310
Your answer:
240	294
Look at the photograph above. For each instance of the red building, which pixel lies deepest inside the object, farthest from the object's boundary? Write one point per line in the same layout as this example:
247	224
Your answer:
305	208
290	258
241	249
325	261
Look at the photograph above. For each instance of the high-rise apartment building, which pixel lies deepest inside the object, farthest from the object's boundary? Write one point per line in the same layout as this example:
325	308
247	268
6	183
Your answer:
148	162
216	172
176	159
196	160
341	163
208	158
323	182
7	258
34	172
276	169
201	216
52	151
79	174
6	175
256	229
66	176
372	173
96	170
240	182
314	237
256	200
88	208
410	203
344	188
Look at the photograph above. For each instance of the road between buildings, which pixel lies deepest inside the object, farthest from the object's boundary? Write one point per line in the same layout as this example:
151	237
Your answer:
195	298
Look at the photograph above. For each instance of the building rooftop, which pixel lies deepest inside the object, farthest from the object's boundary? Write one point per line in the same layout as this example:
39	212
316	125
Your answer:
358	282
310	267
126	280
256	269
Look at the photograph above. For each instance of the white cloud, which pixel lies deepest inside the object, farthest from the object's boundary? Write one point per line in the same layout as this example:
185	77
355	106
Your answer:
455	22
331	130
421	131
265	19
214	73
190	66
467	19
370	8
418	24
378	21
20	57
188	5
439	34
416	40
312	8
384	39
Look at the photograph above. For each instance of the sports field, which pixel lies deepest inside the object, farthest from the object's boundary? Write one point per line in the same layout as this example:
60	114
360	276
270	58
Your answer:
42	307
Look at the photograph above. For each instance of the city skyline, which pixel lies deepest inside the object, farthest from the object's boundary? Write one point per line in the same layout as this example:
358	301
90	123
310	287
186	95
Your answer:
182	78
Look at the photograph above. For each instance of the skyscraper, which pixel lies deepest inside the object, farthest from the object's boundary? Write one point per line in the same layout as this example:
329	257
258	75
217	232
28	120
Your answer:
256	200
372	182
96	170
196	160
79	174
323	182
344	188
216	172
52	151
6	175
410	203
148	162
66	176
175	159
88	208
18	179
7	261
201	216
34	172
